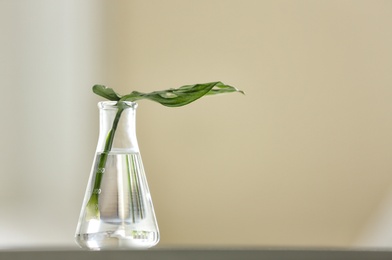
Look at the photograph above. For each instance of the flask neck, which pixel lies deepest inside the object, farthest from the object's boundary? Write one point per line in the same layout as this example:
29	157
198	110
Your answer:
117	131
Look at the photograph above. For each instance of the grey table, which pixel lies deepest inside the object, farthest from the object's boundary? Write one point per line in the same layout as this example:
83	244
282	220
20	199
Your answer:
200	253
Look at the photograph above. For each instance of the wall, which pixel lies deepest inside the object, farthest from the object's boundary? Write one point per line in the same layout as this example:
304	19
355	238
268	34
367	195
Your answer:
301	160
50	58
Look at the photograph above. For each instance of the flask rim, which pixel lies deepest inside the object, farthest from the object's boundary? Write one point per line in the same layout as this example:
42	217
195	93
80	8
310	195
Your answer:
113	104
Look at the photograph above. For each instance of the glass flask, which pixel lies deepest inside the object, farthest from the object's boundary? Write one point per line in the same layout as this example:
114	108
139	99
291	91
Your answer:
117	210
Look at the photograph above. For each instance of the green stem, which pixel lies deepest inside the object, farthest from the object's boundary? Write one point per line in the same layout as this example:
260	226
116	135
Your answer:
139	201
130	188
92	205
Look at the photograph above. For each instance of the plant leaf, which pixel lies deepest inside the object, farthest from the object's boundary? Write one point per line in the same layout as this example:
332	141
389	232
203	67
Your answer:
183	95
105	92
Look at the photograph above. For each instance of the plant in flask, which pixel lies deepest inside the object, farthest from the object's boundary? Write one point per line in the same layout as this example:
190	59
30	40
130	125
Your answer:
117	210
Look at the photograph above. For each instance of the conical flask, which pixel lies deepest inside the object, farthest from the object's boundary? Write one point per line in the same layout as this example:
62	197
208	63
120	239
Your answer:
117	210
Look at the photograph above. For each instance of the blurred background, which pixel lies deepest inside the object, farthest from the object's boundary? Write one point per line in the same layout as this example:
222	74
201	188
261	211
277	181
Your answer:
303	159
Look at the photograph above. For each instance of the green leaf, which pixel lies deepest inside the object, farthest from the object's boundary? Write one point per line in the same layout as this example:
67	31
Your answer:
183	95
105	92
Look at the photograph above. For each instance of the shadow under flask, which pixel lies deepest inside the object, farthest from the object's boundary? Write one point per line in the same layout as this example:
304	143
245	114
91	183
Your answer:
117	210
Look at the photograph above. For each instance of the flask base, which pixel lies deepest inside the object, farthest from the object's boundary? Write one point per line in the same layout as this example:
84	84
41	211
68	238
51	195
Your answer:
117	240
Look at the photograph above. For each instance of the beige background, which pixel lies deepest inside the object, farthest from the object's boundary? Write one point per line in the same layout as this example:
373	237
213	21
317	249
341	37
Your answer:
303	159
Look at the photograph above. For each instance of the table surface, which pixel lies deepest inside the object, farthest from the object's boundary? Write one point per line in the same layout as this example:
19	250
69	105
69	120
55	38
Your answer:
200	253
